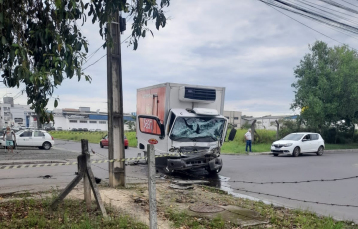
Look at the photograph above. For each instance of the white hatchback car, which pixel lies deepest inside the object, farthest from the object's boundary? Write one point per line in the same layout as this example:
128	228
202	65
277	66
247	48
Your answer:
33	138
296	143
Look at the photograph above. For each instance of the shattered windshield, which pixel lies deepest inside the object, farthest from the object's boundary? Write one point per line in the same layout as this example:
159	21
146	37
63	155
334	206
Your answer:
200	129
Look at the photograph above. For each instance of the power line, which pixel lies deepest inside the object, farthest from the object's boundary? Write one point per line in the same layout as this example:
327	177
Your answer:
305	24
104	55
92	54
322	18
94	62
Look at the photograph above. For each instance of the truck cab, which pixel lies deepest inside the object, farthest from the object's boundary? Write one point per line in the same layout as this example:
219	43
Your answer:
191	136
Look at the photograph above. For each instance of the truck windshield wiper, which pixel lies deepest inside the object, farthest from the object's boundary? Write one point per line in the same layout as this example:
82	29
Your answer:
211	137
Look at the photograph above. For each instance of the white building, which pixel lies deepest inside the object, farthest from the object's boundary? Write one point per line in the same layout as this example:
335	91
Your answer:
69	118
234	118
15	115
268	122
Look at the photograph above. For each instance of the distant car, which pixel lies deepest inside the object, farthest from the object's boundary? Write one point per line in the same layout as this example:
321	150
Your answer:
33	138
49	128
59	128
296	143
104	142
85	129
79	129
73	129
98	130
91	130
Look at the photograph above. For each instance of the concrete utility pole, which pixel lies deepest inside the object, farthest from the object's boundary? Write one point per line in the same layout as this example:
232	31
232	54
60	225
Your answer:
115	106
151	188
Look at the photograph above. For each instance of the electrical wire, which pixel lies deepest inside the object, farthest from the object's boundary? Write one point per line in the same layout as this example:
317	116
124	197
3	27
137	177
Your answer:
306	25
103	55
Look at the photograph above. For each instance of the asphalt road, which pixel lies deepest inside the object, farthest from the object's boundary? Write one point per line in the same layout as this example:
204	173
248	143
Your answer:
248	168
306	167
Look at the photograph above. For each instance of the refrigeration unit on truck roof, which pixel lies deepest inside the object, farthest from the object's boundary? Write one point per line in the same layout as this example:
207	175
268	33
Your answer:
183	117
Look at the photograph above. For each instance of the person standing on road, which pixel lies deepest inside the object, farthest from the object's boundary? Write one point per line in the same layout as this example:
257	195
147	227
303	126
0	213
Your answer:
248	140
10	138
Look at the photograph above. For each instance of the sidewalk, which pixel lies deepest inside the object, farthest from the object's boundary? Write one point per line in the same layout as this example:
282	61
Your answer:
326	151
25	162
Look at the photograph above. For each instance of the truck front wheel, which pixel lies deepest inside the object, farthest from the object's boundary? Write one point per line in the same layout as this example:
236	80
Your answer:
215	171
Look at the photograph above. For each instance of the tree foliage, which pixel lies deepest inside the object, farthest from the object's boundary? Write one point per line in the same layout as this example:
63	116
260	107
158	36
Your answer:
326	90
41	43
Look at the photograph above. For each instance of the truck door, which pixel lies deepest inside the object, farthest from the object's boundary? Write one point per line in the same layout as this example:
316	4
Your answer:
150	128
170	122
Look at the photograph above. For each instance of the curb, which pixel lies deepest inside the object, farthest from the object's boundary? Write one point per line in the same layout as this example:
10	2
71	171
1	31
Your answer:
330	151
31	162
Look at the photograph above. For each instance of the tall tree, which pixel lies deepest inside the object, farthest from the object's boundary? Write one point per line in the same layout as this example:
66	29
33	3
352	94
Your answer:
326	90
41	43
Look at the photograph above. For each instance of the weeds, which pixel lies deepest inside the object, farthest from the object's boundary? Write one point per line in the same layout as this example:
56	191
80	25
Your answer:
32	213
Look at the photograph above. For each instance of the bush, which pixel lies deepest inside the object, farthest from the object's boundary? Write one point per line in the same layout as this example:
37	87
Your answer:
333	135
262	136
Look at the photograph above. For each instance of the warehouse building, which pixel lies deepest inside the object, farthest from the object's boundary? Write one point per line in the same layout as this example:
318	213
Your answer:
83	117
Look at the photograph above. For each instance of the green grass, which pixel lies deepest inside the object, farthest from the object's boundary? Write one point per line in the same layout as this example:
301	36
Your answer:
181	218
341	146
31	213
279	217
92	137
237	146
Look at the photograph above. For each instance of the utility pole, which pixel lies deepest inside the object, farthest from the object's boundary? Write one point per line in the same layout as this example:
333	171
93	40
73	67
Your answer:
115	105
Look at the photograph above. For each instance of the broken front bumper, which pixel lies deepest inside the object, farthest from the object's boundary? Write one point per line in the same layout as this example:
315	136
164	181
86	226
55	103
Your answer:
210	162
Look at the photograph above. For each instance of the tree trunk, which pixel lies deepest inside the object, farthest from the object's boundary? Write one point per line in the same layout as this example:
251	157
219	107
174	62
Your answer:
354	129
278	129
335	137
253	131
39	124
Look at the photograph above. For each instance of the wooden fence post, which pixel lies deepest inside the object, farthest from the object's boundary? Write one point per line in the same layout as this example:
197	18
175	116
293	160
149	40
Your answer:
84	170
86	183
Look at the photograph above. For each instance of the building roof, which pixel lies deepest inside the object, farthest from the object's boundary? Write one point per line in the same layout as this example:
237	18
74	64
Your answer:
272	117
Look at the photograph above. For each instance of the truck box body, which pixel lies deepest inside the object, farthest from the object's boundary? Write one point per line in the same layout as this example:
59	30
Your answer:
159	99
171	102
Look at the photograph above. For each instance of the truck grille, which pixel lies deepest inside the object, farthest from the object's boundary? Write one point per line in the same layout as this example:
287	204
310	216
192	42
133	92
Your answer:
200	94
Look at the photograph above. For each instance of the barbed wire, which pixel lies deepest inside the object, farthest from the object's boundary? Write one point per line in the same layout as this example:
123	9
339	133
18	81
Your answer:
283	197
294	199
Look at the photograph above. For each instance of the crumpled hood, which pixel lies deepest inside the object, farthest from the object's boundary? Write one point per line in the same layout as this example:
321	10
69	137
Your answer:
210	145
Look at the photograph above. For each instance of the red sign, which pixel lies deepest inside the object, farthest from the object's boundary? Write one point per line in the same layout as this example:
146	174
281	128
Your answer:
153	141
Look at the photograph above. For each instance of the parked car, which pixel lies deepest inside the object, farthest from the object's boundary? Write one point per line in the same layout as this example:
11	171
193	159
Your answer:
59	128
33	138
73	129
85	129
91	130
49	128
104	142
296	143
98	130
79	129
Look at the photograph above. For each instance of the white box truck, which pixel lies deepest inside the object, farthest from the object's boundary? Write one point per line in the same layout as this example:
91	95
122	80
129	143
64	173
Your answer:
185	120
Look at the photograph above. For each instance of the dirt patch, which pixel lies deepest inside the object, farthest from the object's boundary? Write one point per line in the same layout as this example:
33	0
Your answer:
132	201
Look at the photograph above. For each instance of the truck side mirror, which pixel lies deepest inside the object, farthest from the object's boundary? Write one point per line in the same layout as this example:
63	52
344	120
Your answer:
151	125
232	134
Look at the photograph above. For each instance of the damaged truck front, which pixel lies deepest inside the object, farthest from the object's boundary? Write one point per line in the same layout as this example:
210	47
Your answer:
186	122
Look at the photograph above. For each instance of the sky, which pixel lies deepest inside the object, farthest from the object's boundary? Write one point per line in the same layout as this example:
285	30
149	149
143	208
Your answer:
244	45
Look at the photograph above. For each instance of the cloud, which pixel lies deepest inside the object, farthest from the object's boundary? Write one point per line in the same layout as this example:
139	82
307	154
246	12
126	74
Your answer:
245	46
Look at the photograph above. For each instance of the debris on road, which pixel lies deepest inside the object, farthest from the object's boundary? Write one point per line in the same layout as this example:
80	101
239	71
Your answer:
174	186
